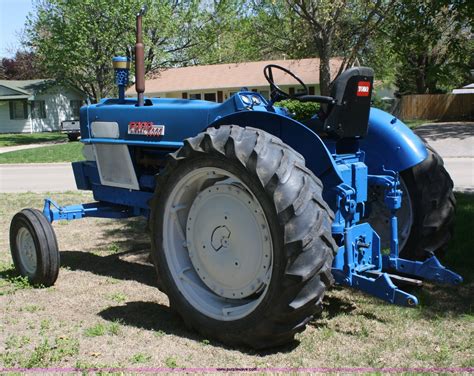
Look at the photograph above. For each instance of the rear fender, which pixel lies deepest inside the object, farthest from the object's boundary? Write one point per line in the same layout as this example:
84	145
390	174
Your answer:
294	134
390	144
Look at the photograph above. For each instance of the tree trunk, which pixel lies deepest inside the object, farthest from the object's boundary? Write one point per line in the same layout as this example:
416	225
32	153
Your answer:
421	75
324	66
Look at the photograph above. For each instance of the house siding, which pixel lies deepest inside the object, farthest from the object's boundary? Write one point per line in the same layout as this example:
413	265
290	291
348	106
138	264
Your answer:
8	125
57	105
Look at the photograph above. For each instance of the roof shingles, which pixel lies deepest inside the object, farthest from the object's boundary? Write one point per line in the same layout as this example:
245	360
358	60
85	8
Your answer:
235	75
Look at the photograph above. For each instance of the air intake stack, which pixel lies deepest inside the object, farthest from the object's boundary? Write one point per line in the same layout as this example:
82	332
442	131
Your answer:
122	67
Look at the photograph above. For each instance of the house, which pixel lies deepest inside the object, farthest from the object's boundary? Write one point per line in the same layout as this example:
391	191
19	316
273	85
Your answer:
218	82
36	105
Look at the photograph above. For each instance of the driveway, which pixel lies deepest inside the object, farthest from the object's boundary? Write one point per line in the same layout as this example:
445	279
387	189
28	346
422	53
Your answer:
455	143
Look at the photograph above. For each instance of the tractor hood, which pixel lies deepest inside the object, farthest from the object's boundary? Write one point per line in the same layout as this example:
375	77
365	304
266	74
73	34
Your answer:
178	119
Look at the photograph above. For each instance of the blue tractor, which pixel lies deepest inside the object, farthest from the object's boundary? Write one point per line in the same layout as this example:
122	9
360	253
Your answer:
252	214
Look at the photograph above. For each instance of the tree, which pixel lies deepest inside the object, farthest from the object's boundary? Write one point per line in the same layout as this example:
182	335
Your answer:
322	28
432	41
23	66
76	39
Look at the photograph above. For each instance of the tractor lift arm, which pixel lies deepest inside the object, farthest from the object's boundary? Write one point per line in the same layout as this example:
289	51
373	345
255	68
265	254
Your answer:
360	263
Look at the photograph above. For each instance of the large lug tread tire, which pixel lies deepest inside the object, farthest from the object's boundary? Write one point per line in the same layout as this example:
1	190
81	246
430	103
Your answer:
45	246
434	205
303	223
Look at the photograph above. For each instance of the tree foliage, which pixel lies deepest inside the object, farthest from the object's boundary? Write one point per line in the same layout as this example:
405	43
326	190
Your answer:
432	42
322	28
424	45
76	39
23	66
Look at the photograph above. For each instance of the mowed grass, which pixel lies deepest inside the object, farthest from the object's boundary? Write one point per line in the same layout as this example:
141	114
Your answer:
16	139
66	152
412	124
105	310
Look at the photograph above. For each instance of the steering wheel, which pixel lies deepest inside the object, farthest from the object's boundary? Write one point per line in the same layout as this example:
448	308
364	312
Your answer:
276	93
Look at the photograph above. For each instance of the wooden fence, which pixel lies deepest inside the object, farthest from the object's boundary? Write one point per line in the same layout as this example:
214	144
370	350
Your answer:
436	107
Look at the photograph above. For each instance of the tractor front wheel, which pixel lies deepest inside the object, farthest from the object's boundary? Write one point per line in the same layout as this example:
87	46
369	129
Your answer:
241	237
34	247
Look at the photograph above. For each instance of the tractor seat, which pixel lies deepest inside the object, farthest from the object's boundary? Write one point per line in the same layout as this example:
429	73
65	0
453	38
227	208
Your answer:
348	117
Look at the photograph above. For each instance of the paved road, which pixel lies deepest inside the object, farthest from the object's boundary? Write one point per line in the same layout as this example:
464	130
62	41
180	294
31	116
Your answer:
462	173
455	143
48	177
449	139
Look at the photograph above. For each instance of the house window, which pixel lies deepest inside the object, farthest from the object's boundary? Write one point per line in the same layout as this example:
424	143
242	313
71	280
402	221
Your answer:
210	97
195	96
38	110
18	110
75	107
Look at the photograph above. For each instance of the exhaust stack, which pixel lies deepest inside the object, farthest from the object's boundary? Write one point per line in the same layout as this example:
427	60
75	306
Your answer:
140	60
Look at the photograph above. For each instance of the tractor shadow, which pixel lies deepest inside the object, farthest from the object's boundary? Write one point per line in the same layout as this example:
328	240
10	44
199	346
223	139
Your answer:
164	321
124	266
124	255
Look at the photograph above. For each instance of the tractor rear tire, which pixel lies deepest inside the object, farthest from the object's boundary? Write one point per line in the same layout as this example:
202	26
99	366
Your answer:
34	247
269	268
431	193
426	218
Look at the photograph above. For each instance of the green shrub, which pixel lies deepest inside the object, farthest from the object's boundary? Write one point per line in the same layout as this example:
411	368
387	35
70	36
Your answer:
300	111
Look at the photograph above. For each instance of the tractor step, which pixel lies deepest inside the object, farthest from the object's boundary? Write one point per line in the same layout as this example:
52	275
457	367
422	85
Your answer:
404	281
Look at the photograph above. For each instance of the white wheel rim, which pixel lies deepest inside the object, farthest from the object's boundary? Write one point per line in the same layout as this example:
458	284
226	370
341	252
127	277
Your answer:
380	216
217	244
26	250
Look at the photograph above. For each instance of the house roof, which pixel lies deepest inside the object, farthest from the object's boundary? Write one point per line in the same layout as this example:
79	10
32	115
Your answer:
25	87
235	75
468	89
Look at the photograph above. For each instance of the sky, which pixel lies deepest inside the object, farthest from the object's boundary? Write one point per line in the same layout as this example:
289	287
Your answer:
12	20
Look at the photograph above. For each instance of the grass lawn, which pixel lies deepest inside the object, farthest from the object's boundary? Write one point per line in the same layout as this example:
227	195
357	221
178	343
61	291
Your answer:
106	311
16	139
416	123
67	152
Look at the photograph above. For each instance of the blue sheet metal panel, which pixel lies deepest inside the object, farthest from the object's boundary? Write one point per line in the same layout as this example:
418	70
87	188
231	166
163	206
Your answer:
294	134
82	182
87	174
181	118
84	122
121	196
390	144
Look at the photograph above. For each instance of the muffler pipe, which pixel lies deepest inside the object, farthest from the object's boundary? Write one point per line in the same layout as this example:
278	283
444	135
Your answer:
140	60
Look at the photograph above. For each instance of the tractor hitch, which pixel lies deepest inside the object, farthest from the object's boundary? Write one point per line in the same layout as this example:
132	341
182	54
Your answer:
361	264
54	212
430	269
